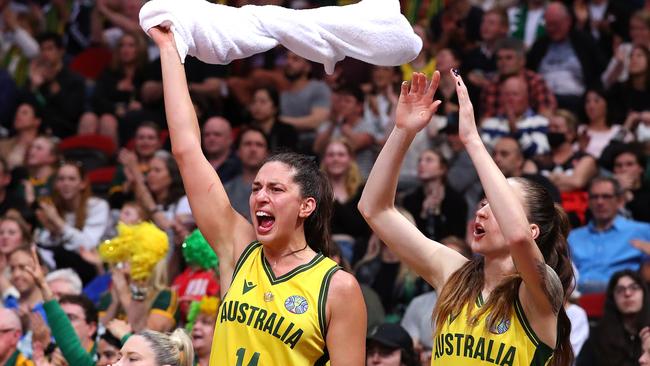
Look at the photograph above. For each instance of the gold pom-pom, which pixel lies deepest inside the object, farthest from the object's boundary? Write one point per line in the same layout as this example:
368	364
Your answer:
143	245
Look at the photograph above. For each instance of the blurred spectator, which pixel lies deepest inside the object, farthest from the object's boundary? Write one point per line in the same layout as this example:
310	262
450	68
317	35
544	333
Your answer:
265	110
619	65
603	247
41	161
216	137
424	62
527	21
14	233
145	144
390	344
73	221
395	283
605	20
518	120
8	96
10	198
200	278
30	297
461	175
615	340
600	129
162	194
17	43
117	89
73	321
121	17
108	349
348	229
350	124
509	158
569	169
381	99
438	210
511	61
12	331
417	322
151	305
206	89
203	330
631	98
480	61
456	26
58	89
64	282
447	59
306	104
252	150
579	327
629	164
568	59
27	123
70	20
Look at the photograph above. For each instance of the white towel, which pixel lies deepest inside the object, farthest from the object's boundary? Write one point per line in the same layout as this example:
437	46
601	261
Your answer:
373	31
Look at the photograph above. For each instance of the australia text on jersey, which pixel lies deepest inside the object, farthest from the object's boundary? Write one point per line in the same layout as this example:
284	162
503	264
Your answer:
262	320
467	346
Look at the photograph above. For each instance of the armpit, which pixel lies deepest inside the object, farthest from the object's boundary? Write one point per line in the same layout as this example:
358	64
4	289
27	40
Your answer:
552	286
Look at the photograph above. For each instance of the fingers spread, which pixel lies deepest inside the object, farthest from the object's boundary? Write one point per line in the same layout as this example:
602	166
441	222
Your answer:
433	86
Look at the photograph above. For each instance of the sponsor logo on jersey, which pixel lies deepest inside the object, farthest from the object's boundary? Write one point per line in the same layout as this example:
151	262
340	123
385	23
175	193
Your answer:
296	304
248	286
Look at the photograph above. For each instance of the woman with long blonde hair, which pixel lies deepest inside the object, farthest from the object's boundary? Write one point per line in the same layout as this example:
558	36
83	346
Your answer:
73	221
504	305
348	226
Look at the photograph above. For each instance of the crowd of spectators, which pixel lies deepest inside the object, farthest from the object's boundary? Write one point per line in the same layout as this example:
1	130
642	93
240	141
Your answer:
562	89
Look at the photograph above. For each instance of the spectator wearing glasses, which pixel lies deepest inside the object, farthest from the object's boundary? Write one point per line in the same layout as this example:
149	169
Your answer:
10	332
616	339
602	247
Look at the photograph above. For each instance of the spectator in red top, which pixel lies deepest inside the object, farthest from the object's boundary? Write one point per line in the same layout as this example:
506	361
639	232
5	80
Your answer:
200	278
511	61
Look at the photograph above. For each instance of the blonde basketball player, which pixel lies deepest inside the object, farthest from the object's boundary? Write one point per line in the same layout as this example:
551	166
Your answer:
504	306
284	302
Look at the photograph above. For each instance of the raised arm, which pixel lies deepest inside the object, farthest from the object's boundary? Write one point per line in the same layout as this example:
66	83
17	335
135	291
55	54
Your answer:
226	231
509	212
433	261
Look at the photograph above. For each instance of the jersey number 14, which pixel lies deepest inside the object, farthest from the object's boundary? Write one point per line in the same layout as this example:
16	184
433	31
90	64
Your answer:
240	358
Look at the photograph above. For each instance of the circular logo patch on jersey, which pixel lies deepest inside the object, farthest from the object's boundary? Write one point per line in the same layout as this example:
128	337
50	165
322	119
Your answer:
502	327
296	304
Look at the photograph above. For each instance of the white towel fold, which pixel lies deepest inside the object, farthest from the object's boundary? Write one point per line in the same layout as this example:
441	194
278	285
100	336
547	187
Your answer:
373	31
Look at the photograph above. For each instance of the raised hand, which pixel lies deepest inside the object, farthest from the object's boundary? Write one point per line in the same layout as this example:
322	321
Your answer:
467	130
416	106
119	328
38	275
162	36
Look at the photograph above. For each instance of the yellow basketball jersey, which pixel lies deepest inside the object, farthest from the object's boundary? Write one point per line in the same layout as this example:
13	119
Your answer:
513	342
264	320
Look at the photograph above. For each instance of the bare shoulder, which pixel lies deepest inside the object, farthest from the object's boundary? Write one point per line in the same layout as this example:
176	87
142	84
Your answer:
344	293
343	285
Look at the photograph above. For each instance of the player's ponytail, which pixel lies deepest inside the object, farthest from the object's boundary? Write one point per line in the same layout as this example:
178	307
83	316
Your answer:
173	349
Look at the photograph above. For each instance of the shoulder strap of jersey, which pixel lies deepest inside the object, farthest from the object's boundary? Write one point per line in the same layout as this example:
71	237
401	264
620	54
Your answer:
242	258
